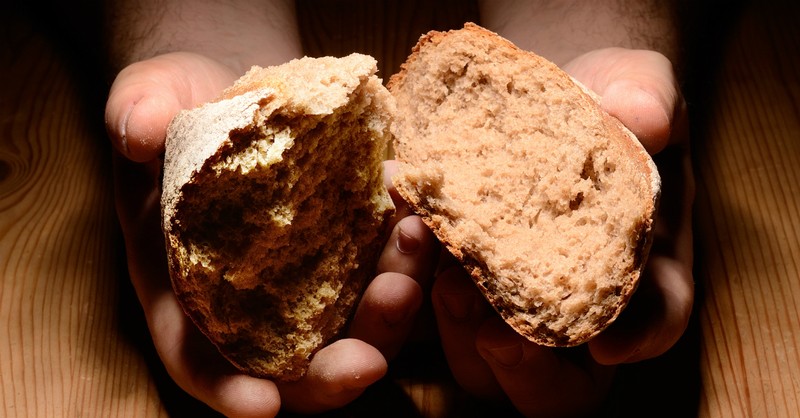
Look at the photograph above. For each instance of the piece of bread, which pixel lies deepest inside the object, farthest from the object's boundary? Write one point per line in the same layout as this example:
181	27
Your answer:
546	200
274	208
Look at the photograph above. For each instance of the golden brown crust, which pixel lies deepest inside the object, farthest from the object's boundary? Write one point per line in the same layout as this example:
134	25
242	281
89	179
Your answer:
433	38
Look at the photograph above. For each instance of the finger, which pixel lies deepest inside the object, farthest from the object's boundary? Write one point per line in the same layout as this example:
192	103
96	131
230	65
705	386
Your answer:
541	381
137	200
655	319
190	359
659	311
338	374
460	310
197	367
402	210
146	95
385	316
673	227
412	249
638	87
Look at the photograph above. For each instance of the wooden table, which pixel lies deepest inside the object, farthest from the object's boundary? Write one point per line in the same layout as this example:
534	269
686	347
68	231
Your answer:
72	337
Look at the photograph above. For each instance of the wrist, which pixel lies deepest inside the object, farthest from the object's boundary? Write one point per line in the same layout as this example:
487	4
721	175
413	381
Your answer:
237	35
564	30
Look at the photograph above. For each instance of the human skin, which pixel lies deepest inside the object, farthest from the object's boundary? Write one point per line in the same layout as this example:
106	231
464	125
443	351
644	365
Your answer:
167	56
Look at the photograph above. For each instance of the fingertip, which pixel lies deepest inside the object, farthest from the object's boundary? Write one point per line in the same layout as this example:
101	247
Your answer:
145	126
412	237
337	375
454	279
146	95
538	380
638	87
395	297
356	364
456	299
460	311
137	117
386	313
643	111
407	241
412	249
402	209
673	281
389	169
611	348
499	344
654	321
242	396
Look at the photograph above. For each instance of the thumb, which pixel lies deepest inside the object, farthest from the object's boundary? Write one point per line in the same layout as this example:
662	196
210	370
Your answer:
146	95
638	87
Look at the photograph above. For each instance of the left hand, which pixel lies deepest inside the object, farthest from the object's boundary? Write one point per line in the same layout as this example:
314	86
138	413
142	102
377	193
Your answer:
491	361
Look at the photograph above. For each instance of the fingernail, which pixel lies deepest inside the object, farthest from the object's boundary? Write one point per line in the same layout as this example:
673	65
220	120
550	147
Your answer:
458	305
508	356
406	244
122	129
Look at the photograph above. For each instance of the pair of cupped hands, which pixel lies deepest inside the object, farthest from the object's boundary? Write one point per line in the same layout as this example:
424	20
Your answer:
486	357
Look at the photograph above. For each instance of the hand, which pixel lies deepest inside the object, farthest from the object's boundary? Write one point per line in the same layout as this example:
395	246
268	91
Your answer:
491	361
143	99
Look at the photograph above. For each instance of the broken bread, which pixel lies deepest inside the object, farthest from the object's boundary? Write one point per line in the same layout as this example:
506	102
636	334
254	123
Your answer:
545	199
274	208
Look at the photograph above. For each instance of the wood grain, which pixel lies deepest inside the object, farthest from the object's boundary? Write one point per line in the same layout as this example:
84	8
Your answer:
66	345
61	350
748	217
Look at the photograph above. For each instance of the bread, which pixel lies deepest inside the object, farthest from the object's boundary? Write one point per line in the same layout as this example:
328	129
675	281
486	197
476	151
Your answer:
274	208
546	200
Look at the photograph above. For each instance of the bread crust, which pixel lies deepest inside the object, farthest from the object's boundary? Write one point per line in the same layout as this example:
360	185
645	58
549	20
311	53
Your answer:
248	181
423	191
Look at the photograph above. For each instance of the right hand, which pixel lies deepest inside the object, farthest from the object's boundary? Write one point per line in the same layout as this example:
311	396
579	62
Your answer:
143	100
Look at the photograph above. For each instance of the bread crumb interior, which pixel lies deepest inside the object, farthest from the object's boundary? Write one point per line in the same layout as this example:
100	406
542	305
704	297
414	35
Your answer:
291	210
524	200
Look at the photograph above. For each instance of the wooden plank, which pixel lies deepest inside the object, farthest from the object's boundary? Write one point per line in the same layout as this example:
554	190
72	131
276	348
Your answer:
748	210
62	352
